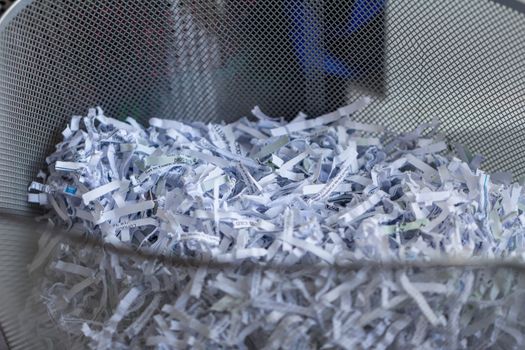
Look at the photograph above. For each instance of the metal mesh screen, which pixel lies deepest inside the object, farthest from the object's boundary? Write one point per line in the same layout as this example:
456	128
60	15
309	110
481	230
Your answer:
461	61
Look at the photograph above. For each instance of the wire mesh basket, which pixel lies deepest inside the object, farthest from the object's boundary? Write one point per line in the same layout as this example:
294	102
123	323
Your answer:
461	61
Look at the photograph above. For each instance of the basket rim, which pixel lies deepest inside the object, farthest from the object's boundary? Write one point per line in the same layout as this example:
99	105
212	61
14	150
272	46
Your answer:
75	237
12	11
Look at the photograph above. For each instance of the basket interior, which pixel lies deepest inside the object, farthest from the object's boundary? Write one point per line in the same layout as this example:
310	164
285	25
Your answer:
461	62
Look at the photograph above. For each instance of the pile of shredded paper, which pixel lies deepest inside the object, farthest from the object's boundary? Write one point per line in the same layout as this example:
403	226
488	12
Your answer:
274	217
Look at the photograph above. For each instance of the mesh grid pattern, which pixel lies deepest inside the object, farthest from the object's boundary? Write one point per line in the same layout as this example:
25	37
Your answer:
19	239
214	60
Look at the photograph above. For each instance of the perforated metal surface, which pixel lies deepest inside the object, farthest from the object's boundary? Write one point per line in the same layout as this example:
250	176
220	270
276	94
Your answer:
461	61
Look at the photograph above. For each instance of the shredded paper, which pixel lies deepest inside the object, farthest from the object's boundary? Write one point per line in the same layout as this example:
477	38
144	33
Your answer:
272	212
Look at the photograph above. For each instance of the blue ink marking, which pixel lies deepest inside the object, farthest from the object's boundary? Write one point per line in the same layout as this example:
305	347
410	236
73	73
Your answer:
70	190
